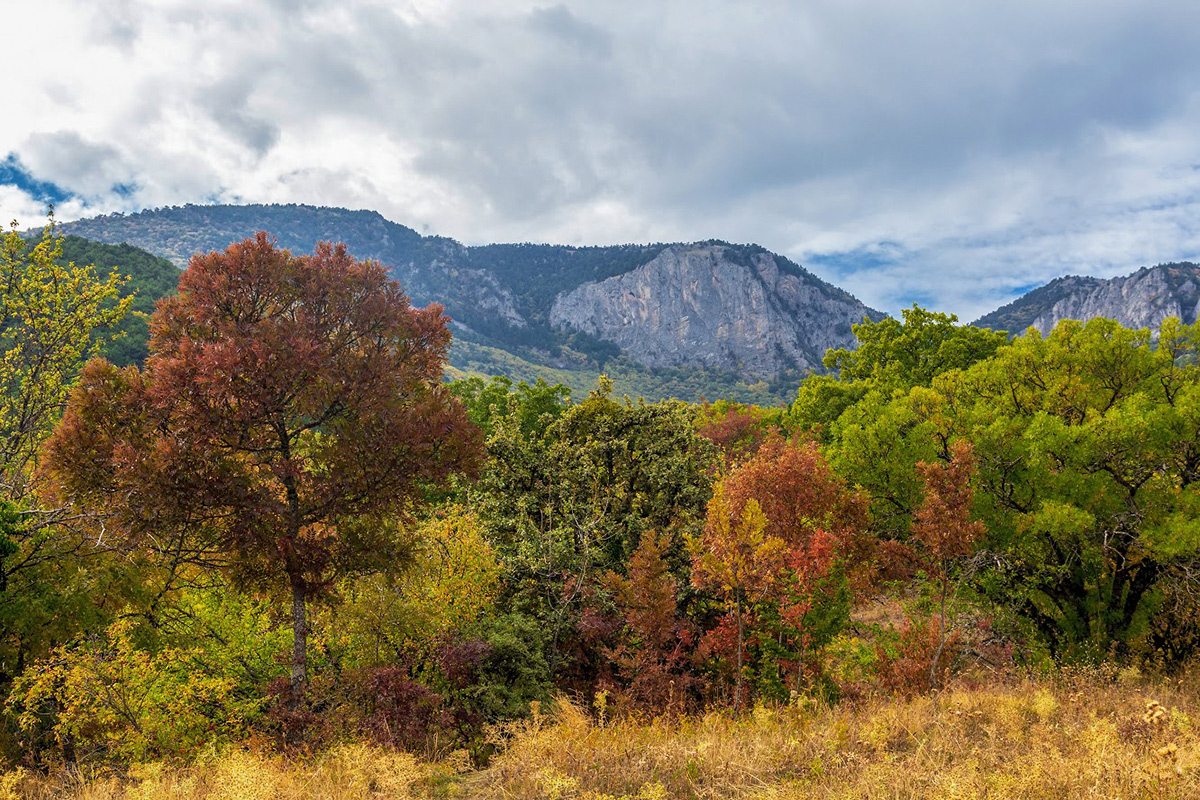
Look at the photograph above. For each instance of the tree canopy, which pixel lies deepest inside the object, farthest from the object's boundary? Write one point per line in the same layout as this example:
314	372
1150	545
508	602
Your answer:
288	407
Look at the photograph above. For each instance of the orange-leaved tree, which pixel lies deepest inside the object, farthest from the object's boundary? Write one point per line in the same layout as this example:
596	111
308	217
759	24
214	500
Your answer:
290	407
784	524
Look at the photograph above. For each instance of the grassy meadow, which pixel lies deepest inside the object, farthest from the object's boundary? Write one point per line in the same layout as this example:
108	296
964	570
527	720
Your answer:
1086	733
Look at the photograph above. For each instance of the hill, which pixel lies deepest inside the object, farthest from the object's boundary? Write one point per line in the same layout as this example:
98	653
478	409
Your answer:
149	278
752	322
1141	300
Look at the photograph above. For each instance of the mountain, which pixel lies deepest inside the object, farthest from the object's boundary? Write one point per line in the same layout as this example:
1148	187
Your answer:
714	306
708	318
1141	300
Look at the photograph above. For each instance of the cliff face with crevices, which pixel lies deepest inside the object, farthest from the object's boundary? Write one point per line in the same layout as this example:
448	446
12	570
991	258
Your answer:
728	315
712	306
1141	300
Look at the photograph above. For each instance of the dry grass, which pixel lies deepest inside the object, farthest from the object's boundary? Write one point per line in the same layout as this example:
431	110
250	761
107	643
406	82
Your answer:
1080	735
345	773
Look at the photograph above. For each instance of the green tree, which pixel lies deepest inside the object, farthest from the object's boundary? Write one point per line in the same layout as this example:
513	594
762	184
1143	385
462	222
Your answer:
892	355
1086	445
569	500
913	352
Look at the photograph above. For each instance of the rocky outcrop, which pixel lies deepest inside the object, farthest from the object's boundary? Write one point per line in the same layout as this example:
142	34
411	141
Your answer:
734	308
1141	300
715	306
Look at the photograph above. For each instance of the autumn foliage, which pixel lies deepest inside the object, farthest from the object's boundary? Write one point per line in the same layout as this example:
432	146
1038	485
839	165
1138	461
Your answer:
284	530
777	530
288	406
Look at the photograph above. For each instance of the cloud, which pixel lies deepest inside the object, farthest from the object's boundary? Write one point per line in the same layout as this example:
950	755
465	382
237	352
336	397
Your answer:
937	150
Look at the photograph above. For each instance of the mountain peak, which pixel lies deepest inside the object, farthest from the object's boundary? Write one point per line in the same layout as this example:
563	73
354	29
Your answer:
1142	299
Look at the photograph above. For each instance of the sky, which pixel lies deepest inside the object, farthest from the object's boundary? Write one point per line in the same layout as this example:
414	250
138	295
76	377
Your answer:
950	153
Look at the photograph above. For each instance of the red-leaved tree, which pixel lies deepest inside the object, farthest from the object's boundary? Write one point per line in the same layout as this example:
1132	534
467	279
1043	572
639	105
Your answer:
778	527
654	653
797	491
943	528
289	408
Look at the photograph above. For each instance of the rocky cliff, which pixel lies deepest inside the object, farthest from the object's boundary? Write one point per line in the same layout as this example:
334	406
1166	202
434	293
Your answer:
715	306
1141	300
735	311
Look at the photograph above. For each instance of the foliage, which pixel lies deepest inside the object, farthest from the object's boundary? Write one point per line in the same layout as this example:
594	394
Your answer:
891	355
781	530
1086	466
147	278
740	563
912	352
54	314
534	406
654	656
129	702
290	404
53	317
449	582
571	502
944	530
739	430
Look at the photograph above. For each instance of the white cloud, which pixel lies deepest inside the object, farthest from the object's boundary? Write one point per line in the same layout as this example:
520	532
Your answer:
952	151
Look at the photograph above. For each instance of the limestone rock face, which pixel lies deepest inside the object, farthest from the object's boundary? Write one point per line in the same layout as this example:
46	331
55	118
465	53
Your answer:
1141	300
693	306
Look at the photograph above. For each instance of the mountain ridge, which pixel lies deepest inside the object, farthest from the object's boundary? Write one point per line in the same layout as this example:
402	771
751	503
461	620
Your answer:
504	295
1141	299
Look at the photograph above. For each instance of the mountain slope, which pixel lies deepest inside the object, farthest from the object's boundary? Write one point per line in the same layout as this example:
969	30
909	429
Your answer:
149	277
737	311
1141	300
704	305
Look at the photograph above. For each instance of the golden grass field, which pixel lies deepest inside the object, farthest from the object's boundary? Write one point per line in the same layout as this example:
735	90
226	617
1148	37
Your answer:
1081	734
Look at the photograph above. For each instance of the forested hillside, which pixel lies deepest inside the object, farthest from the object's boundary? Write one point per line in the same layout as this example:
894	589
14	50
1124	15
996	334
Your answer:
148	278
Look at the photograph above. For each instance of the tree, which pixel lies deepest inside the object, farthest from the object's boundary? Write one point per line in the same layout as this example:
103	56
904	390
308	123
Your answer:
741	563
569	499
891	355
289	408
1087	459
913	352
653	654
52	317
812	525
944	528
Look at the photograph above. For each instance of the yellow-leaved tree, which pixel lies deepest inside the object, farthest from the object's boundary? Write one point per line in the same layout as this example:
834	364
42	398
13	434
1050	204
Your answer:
54	316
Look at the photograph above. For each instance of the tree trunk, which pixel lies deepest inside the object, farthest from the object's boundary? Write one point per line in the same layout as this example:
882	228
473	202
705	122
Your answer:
299	682
737	696
937	656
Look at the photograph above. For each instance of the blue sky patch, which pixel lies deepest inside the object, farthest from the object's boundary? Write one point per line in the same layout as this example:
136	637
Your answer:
14	173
